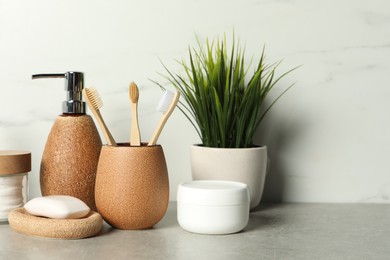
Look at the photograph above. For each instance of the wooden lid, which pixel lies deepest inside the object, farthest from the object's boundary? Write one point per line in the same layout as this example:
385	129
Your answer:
12	162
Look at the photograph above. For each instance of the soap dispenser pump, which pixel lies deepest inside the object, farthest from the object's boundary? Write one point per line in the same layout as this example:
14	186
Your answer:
71	154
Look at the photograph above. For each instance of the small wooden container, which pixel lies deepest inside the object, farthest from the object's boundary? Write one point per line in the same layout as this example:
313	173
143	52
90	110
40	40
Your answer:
132	186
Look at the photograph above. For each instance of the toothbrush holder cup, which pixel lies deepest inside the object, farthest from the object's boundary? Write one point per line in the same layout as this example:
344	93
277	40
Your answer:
132	185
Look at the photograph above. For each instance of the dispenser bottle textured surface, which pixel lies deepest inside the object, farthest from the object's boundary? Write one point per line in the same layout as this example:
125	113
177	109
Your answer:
71	154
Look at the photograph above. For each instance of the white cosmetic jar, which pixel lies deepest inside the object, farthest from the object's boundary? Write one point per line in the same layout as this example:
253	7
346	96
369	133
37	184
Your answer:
213	206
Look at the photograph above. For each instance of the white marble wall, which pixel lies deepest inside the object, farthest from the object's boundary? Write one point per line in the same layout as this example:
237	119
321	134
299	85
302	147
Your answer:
328	137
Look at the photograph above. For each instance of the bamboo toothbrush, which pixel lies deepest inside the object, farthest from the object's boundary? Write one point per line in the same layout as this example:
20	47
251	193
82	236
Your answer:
166	106
135	139
95	103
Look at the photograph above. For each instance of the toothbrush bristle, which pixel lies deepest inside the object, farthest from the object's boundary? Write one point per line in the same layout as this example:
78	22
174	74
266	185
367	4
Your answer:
94	98
134	92
165	101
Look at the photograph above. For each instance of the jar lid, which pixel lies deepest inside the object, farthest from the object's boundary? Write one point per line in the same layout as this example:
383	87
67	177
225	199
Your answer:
213	192
12	161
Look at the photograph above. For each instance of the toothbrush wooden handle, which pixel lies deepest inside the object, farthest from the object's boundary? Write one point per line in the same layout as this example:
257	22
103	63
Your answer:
157	132
163	120
135	137
110	140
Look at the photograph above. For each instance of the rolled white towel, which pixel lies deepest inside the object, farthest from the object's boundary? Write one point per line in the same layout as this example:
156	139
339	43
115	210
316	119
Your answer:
11	194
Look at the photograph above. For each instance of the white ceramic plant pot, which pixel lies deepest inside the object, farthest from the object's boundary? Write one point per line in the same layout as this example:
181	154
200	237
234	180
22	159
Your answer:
246	165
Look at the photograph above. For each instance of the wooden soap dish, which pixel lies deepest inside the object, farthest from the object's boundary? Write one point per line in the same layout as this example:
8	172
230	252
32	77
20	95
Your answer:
28	224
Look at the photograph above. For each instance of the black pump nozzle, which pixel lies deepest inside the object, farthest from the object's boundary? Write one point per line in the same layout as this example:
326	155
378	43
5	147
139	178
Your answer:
74	84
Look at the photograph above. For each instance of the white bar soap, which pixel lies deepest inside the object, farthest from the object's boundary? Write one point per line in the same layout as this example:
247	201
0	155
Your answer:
58	207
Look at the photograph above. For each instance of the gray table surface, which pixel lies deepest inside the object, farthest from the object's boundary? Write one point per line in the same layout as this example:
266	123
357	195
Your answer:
274	231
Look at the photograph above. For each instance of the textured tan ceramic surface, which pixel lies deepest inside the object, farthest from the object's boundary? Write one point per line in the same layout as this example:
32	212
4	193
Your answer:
132	186
70	159
25	223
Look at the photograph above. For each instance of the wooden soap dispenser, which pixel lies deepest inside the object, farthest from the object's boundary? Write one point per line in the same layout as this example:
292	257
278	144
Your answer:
72	150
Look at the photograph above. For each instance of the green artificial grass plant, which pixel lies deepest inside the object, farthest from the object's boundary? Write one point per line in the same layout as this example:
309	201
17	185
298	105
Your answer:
223	107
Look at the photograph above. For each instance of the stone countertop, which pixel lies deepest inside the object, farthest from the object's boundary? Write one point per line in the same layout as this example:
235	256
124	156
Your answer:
274	231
